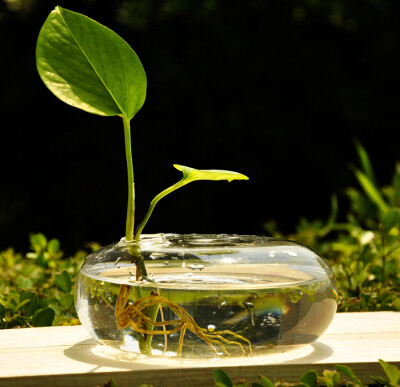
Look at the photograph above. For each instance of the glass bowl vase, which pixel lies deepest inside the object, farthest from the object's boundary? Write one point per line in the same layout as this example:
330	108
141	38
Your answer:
205	295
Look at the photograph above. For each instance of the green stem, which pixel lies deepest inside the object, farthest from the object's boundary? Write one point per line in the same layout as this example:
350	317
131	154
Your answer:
144	342
130	215
153	204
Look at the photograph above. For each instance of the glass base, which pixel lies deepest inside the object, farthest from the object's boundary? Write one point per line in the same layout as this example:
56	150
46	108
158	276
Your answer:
205	296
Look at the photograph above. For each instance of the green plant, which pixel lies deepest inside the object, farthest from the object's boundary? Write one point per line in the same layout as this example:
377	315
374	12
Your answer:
90	67
342	376
37	289
364	251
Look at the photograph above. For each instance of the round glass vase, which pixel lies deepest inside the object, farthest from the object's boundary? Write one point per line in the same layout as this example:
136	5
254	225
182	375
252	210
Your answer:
205	295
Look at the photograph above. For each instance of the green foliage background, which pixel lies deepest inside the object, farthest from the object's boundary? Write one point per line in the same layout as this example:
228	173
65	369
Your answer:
36	289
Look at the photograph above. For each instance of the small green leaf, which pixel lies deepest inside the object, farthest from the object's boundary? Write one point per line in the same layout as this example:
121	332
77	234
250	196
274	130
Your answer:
191	174
222	379
38	242
53	246
88	66
41	260
24	282
330	378
43	317
63	281
265	381
67	301
392	372
365	162
396	186
371	191
379	380
310	378
349	372
30	307
19	305
390	219
113	383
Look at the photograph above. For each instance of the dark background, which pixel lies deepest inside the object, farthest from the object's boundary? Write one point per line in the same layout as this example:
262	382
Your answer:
276	90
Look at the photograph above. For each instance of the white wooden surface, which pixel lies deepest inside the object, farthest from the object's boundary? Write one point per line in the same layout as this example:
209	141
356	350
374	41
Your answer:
67	356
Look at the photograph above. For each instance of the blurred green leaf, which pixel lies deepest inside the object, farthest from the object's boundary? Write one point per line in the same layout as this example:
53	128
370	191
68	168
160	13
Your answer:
38	242
396	186
222	379
265	381
43	317
24	282
53	247
63	281
30	307
41	260
348	372
310	379
390	219
392	372
19	305
365	162
330	378
67	301
371	191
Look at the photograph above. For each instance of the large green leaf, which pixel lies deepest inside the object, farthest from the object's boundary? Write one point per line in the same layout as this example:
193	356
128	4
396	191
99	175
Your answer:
88	66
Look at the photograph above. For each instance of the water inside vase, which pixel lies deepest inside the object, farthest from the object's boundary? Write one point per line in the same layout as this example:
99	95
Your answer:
242	310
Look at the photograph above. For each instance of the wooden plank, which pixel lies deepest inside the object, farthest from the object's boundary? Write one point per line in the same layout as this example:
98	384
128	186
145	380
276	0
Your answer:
65	356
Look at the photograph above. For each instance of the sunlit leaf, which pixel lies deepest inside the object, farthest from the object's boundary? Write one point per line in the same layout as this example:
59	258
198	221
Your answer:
192	174
88	66
189	175
391	371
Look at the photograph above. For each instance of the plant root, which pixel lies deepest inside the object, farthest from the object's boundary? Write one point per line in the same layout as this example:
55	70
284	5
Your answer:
133	315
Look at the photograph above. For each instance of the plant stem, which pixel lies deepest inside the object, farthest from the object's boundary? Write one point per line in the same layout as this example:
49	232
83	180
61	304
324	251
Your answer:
130	215
153	204
144	342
